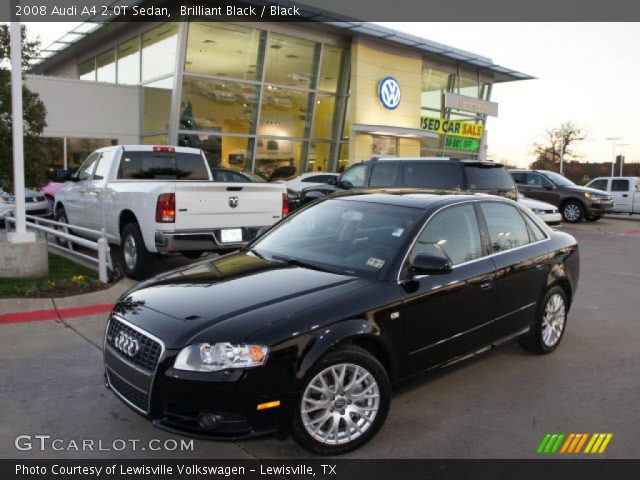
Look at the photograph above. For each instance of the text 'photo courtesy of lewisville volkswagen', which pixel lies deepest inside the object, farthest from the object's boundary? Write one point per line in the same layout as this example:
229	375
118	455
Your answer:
292	238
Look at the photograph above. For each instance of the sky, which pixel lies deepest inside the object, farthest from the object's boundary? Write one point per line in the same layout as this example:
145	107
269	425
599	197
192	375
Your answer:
586	73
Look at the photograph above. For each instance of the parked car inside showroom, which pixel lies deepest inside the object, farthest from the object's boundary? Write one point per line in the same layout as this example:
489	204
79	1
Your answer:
548	213
305	329
575	203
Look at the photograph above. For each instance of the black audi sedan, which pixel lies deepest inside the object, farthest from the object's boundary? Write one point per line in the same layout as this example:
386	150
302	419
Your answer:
307	328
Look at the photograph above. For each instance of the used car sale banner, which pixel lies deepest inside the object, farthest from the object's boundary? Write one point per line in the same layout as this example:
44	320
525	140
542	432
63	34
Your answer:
458	128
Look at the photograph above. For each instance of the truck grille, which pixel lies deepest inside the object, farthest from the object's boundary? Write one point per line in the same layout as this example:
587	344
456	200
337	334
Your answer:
148	352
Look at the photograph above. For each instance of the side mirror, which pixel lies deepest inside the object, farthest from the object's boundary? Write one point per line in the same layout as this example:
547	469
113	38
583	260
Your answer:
425	264
346	184
549	186
333	181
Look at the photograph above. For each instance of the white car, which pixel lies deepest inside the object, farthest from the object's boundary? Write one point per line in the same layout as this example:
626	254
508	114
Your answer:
310	179
159	199
547	212
35	204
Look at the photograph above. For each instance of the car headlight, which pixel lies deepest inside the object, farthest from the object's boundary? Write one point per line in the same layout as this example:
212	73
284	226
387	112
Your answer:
207	357
537	210
587	194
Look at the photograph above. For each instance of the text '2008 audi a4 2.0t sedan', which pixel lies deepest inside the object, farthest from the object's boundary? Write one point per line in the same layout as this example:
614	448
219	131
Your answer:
306	329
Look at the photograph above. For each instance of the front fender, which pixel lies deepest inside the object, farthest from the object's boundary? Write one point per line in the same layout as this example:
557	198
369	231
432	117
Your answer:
357	331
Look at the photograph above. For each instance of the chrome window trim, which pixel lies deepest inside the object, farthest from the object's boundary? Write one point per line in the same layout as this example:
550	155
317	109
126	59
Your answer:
152	374
518	207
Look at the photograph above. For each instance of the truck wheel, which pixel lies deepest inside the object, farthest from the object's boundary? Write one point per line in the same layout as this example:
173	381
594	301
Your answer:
61	217
137	262
572	211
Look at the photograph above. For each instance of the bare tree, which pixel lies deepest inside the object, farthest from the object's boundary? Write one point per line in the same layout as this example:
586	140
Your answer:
548	152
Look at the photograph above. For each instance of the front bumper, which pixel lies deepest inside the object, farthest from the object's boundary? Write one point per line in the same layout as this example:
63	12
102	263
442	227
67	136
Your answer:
600	208
214	405
200	240
550	218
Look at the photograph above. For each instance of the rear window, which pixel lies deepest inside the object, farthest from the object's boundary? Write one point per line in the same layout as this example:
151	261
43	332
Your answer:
162	166
481	177
438	175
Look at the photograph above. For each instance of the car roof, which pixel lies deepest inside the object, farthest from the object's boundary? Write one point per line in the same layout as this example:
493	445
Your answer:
410	197
467	161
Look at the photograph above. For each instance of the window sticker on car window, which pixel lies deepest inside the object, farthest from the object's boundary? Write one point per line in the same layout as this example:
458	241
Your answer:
375	262
398	232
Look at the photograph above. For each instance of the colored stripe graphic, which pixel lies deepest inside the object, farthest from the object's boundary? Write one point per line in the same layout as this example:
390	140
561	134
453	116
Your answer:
573	443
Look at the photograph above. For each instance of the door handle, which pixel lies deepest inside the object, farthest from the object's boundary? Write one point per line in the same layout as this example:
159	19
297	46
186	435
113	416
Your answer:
625	195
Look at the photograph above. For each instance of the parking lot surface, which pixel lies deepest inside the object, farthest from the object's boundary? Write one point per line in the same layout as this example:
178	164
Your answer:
499	405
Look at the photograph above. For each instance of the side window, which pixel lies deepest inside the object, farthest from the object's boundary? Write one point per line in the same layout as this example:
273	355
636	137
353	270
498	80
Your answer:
101	169
383	175
440	175
506	226
600	184
519	177
86	170
535	180
354	177
534	228
619	185
452	234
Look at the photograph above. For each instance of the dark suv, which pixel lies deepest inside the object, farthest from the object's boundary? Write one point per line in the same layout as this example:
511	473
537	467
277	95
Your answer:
428	173
575	202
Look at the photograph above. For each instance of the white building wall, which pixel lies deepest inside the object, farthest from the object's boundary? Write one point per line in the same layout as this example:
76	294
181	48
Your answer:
81	109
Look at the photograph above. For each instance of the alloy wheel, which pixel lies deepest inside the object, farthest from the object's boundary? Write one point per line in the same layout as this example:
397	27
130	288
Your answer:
572	212
340	404
130	252
553	320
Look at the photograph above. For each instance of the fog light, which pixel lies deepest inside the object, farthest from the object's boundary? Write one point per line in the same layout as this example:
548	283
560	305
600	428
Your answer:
207	421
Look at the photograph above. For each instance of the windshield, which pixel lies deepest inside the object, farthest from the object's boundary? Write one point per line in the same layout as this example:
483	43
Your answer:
345	236
558	179
481	177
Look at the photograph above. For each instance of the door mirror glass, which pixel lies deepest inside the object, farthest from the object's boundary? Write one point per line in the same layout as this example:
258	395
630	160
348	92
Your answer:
332	181
425	264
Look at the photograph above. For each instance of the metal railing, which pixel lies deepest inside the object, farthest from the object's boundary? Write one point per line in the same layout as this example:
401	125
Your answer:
59	230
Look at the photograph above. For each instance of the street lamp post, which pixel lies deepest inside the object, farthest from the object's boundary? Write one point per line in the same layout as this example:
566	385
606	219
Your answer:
613	141
562	134
621	145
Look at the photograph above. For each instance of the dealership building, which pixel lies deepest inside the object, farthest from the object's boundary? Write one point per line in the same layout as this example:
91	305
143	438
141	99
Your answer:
258	96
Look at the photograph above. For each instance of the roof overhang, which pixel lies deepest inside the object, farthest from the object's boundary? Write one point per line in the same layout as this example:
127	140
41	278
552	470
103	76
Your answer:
392	131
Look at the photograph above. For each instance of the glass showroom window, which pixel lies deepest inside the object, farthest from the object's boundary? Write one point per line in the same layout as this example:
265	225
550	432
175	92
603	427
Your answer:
159	51
469	85
292	61
278	157
129	62
155	140
343	157
220	106
79	148
323	122
225	50
330	68
318	158
156	105
87	69
106	66
54	147
435	82
285	113
224	152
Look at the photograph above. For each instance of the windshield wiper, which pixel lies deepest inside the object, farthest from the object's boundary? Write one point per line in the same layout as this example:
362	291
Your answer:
303	263
252	250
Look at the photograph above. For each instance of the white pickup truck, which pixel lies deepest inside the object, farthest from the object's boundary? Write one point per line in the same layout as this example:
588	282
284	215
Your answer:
158	199
624	190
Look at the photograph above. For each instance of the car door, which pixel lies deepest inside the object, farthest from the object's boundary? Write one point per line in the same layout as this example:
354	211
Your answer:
521	262
93	201
75	199
622	194
447	315
539	188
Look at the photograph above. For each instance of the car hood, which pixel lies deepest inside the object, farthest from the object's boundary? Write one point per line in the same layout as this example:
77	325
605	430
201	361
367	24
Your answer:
579	189
237	294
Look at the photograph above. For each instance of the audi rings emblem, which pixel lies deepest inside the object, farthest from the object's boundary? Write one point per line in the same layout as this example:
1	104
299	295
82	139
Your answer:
126	344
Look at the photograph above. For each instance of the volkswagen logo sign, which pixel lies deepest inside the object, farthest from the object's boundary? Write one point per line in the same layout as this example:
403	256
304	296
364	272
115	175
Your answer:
233	202
389	93
126	344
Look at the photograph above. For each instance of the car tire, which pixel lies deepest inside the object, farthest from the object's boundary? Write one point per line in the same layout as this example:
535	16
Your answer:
572	211
551	322
137	261
50	204
364	403
61	217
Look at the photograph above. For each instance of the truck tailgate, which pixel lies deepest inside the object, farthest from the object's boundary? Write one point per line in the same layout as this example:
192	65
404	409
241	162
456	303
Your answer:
209	205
